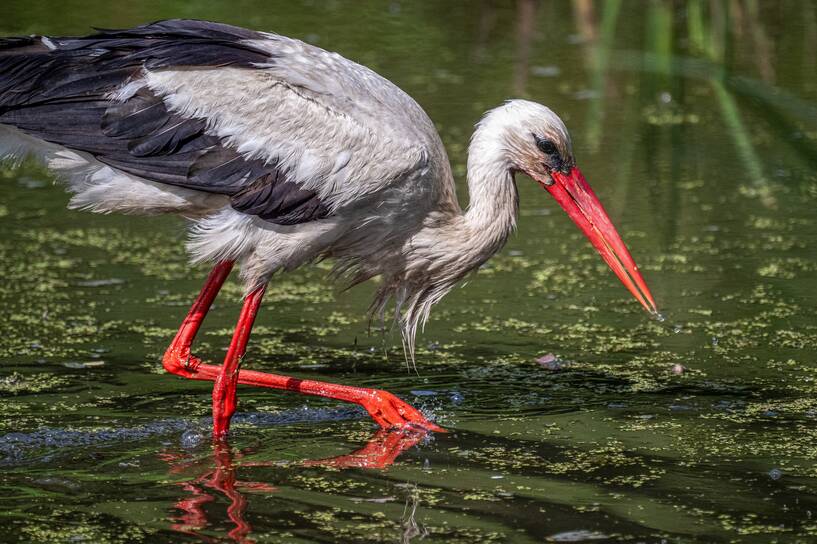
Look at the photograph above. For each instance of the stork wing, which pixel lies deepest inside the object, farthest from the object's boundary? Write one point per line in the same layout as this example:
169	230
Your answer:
205	106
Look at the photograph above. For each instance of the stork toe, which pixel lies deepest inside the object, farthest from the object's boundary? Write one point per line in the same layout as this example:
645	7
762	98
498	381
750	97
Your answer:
389	411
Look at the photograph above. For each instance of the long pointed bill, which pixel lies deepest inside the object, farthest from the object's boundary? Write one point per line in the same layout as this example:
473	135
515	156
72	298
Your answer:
573	193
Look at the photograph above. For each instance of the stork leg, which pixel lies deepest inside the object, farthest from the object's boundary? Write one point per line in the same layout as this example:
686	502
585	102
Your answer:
224	389
386	409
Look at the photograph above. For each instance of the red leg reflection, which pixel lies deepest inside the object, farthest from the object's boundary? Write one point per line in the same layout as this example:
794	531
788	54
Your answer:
222	479
386	409
380	452
194	519
221	476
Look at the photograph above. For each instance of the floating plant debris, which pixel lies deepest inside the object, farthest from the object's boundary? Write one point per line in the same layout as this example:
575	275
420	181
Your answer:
551	362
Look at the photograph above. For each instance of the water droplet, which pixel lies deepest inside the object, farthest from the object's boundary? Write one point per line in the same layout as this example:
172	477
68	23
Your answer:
423	393
191	438
775	474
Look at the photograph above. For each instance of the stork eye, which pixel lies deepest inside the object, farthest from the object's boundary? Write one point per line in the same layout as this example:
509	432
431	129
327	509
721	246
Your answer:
545	146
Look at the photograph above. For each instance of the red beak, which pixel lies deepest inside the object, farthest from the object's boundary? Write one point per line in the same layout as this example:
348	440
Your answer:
573	194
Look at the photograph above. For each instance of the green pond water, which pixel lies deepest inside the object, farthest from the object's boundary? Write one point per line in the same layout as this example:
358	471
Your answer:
697	126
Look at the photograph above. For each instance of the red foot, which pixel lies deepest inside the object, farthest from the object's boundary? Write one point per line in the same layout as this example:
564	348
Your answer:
390	412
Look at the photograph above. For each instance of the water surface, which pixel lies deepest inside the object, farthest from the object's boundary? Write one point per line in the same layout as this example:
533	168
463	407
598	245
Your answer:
697	126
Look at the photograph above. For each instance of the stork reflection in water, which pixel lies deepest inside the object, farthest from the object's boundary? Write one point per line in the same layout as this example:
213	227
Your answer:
208	478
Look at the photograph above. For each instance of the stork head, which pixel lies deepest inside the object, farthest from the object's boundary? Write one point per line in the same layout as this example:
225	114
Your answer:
536	142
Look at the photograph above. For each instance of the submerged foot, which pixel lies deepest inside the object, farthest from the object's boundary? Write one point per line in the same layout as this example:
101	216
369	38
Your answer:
390	412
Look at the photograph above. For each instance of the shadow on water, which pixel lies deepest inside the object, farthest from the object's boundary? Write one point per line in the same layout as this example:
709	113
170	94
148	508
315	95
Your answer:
43	445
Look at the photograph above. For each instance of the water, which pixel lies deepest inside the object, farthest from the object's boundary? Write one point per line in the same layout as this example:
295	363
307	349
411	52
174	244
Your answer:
697	125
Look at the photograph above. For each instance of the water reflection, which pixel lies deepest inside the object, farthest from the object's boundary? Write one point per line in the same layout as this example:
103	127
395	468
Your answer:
707	41
411	528
380	451
525	21
217	474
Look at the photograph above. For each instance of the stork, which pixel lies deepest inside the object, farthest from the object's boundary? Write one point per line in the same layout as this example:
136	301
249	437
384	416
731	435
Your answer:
280	153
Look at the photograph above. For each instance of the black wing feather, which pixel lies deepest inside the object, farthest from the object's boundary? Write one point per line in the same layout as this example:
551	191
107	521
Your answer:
280	199
135	118
57	89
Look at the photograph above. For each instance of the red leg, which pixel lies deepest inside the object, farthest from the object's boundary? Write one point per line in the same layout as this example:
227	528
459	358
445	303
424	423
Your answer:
224	394
386	409
177	359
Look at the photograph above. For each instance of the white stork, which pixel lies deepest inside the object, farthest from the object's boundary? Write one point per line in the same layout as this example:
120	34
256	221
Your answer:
280	153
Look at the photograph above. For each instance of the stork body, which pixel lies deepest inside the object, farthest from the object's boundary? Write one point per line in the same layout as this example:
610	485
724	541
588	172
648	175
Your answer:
280	153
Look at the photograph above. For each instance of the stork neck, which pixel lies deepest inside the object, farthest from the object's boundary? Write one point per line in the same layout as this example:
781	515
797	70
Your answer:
454	243
493	199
